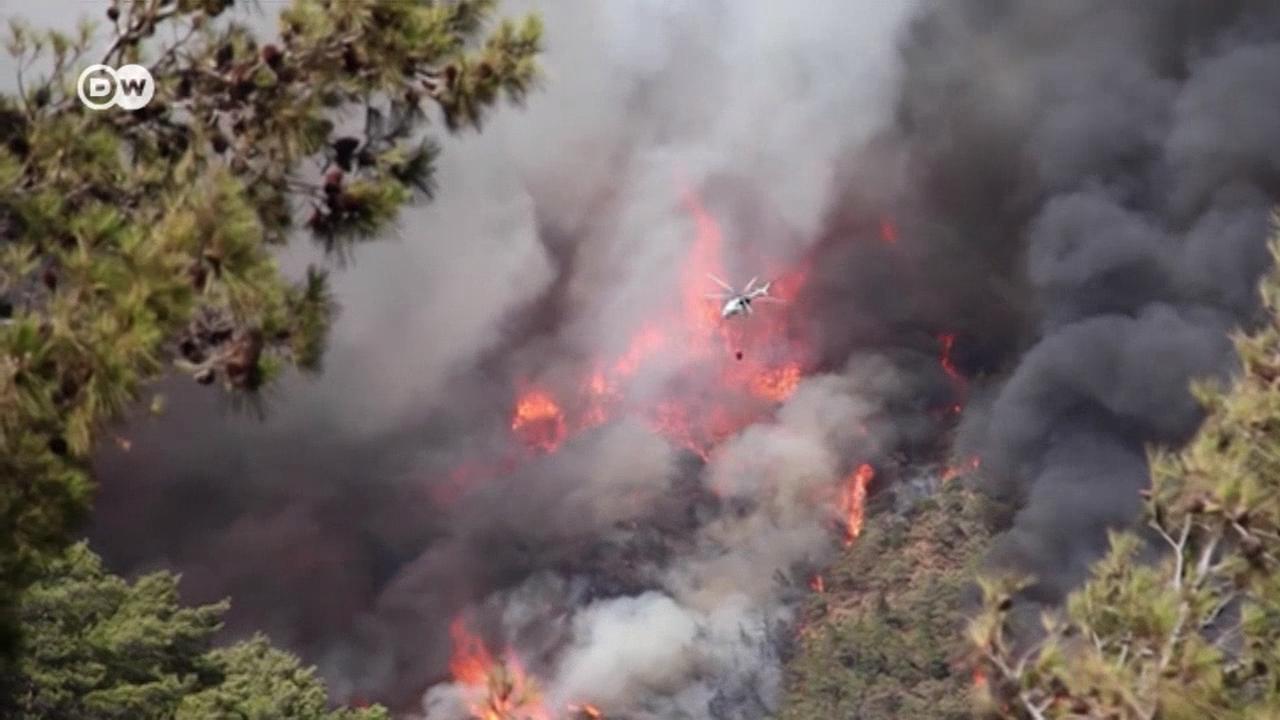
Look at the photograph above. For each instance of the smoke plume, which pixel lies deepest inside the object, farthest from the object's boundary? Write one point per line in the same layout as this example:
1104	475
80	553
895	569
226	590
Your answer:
1127	159
1044	216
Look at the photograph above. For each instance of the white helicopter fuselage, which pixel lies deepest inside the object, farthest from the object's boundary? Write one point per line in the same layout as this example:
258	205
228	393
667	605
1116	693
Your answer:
737	305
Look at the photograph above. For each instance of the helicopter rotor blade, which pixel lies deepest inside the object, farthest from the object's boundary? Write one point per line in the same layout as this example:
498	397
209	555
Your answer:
721	283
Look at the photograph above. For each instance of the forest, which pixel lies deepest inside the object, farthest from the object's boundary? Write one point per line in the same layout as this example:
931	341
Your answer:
379	365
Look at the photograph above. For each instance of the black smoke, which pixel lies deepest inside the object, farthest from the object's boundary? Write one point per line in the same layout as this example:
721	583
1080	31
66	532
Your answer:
1125	158
340	525
1079	194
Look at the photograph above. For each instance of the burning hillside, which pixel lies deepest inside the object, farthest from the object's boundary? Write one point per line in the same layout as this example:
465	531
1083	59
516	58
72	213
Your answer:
722	391
727	374
1006	234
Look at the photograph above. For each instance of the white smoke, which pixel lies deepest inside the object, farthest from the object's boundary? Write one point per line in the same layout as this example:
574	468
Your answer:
701	641
1092	177
577	197
644	99
625	647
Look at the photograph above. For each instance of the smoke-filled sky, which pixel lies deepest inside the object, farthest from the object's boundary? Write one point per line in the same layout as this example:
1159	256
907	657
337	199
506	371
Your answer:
558	231
1077	192
1130	155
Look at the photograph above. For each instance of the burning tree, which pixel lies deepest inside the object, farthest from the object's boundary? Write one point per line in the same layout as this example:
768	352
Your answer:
853	498
882	638
139	242
500	689
494	689
509	694
1197	634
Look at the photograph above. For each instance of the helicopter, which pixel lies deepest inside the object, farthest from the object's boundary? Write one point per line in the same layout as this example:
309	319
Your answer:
739	303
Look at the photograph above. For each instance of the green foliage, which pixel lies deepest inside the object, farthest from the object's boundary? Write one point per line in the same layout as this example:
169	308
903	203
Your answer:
135	243
99	647
103	648
1195	634
883	639
262	683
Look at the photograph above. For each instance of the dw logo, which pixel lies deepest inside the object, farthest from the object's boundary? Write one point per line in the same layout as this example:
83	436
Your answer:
101	87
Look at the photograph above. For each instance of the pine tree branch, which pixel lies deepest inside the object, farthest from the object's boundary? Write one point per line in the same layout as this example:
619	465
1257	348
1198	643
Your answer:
1206	556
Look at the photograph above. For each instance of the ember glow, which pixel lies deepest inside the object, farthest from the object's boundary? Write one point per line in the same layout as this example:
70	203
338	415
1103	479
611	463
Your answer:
888	231
959	383
853	498
952	472
948	341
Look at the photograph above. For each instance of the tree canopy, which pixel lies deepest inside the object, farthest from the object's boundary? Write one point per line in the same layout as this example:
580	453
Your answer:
1180	620
100	647
141	243
1193	632
884	636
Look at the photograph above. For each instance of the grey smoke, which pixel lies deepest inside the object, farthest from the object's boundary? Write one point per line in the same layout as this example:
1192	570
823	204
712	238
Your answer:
699	639
556	233
1135	167
1081	191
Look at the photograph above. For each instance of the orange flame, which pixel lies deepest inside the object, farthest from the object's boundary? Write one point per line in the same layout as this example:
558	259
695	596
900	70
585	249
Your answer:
704	258
777	384
538	421
952	472
959	382
948	341
853	497
740	369
644	344
979	678
818	584
501	690
470	662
